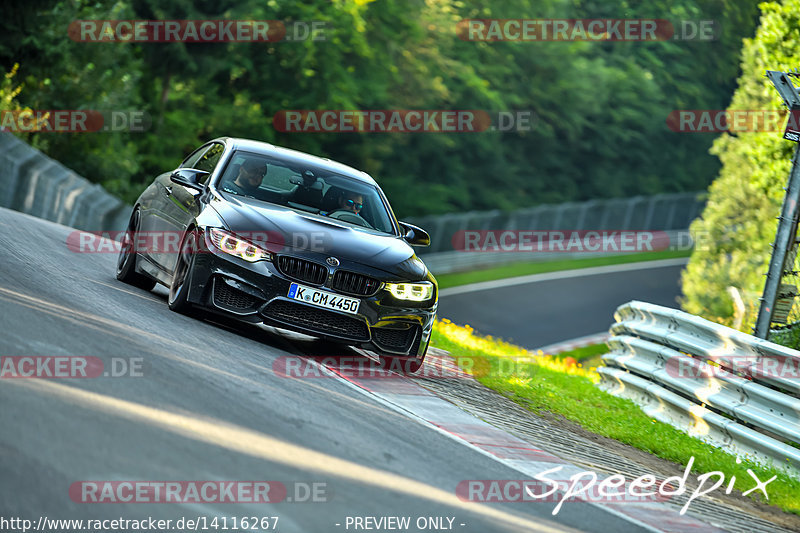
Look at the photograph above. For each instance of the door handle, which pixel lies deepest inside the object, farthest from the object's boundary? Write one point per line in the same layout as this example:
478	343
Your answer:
168	190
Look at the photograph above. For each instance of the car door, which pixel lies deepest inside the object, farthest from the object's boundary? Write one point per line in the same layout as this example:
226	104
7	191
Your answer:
182	207
156	215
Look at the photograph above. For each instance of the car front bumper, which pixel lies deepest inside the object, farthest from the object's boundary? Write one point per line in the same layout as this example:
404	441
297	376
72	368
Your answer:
257	292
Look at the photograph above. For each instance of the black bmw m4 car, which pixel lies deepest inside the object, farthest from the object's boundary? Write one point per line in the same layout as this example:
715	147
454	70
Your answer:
267	234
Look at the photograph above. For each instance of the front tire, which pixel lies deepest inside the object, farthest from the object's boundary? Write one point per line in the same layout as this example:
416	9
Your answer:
178	289
126	262
405	365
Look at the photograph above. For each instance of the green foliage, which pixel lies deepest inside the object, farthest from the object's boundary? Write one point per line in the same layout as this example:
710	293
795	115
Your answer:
600	107
739	221
9	90
60	73
546	384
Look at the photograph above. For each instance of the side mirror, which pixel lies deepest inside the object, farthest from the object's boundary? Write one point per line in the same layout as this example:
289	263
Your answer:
189	177
414	235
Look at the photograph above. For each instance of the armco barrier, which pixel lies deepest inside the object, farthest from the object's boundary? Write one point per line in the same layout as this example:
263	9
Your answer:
33	183
669	213
445	262
728	388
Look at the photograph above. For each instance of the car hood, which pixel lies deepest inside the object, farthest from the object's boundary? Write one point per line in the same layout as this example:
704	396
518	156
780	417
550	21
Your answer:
318	238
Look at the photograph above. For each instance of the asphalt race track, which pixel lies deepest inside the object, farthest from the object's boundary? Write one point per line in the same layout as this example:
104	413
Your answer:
551	308
206	405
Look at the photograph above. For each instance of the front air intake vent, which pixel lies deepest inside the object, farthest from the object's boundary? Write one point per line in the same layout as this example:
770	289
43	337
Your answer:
302	270
355	284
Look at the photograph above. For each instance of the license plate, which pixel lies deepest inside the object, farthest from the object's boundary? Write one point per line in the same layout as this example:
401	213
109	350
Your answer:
325	299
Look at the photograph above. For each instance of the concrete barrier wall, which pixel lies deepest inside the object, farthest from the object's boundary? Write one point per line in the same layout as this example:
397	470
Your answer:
35	184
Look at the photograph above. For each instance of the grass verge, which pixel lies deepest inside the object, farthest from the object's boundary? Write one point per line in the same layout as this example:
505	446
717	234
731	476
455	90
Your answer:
523	269
558	385
587	356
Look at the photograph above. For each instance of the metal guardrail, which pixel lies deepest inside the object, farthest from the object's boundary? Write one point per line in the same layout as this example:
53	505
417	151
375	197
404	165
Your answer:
446	262
730	389
35	184
662	212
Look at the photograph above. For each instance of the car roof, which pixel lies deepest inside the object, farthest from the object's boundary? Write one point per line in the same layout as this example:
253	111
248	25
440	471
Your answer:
297	157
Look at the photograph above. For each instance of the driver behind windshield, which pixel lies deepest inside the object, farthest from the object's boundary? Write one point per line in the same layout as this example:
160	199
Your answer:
348	208
351	201
251	173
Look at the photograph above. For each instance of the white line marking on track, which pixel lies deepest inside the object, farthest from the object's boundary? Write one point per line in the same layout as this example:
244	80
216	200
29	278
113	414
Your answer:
572	344
110	286
452	413
561	274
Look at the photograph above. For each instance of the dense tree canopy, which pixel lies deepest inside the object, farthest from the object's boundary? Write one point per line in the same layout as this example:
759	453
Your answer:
600	107
739	222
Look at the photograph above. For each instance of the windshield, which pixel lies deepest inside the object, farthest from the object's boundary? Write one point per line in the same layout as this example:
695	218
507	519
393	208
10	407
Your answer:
307	189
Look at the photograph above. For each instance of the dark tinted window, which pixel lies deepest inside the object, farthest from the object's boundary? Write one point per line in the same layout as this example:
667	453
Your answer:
193	157
311	190
209	160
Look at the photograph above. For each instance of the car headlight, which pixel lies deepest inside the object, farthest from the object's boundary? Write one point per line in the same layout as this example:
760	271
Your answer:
416	292
237	246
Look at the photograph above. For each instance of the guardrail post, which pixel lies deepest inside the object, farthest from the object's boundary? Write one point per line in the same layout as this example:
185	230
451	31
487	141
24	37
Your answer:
787	226
784	240
734	390
673	205
626	224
